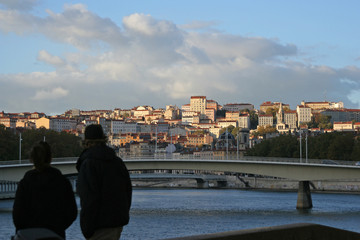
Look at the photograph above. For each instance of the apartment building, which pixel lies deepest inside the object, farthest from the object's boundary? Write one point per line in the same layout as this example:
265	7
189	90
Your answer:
303	114
343	126
290	118
244	121
198	104
188	117
210	114
266	120
323	105
232	115
211	104
227	123
195	140
8	122
58	124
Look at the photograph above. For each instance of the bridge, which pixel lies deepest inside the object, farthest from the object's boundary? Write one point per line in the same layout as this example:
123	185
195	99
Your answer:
276	167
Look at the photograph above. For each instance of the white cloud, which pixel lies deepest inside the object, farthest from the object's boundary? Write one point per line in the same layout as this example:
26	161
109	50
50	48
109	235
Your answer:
198	25
51	94
49	59
152	61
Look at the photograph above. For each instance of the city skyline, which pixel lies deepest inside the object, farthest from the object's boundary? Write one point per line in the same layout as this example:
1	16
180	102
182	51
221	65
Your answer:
102	55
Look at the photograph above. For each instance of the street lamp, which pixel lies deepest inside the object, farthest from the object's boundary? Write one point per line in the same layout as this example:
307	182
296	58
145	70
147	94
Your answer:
20	139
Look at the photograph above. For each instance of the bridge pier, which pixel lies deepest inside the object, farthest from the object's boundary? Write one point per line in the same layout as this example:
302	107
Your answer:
201	183
304	200
221	184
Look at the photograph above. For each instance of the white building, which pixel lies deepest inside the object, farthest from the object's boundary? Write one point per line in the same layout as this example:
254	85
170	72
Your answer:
58	124
225	124
187	117
244	121
266	120
303	114
198	104
343	126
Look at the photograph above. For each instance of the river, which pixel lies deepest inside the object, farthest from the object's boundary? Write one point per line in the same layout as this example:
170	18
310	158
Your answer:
167	213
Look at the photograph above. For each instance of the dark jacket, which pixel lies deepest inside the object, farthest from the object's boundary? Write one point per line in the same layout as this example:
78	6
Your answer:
105	190
44	199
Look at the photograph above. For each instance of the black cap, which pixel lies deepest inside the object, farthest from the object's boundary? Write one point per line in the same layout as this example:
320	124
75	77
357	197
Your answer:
94	131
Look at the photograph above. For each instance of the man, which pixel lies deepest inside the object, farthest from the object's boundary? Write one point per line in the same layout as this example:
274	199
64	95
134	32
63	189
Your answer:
104	187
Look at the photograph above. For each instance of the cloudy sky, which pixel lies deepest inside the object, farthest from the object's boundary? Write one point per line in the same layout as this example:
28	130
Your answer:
59	55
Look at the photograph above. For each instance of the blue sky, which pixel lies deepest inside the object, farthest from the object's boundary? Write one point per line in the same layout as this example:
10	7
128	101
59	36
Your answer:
58	55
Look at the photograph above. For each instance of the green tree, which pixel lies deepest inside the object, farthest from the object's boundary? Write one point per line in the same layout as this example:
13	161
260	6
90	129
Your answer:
62	144
9	144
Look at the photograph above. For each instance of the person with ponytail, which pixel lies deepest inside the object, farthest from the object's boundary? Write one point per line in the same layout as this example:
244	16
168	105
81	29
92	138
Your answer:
44	197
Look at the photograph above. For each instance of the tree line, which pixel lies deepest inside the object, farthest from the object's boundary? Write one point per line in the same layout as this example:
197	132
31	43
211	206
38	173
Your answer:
335	146
62	144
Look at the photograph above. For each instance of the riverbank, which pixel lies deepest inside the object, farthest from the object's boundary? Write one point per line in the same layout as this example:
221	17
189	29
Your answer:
257	183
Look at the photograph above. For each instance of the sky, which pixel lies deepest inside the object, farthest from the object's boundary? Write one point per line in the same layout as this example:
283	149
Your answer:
59	55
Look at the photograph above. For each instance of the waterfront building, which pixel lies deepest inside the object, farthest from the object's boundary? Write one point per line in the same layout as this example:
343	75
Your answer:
196	140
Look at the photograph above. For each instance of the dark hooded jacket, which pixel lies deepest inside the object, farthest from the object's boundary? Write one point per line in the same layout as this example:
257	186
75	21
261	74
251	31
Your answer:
105	190
44	199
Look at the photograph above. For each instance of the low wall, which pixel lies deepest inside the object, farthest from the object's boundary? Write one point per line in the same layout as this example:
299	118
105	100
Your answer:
285	184
257	183
299	231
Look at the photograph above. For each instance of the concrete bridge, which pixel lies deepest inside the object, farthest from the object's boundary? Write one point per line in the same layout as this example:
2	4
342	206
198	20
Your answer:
202	180
302	172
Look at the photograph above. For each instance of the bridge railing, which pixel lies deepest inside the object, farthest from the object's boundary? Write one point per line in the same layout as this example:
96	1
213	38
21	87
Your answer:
195	157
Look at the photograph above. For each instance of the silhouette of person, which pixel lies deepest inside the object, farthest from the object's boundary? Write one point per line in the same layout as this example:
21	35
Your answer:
44	197
104	187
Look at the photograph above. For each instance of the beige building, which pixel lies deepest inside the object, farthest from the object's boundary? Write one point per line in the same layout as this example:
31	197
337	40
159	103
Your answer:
343	126
244	121
232	115
266	120
303	114
56	123
323	105
290	118
225	124
198	104
8	122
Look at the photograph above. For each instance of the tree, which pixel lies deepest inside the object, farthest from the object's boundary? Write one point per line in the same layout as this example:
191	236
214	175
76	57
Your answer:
9	144
62	144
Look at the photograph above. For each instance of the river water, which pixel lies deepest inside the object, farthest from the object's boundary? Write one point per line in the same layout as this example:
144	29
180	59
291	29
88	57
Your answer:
167	213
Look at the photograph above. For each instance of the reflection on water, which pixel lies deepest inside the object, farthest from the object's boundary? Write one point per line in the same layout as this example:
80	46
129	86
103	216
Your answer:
165	213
